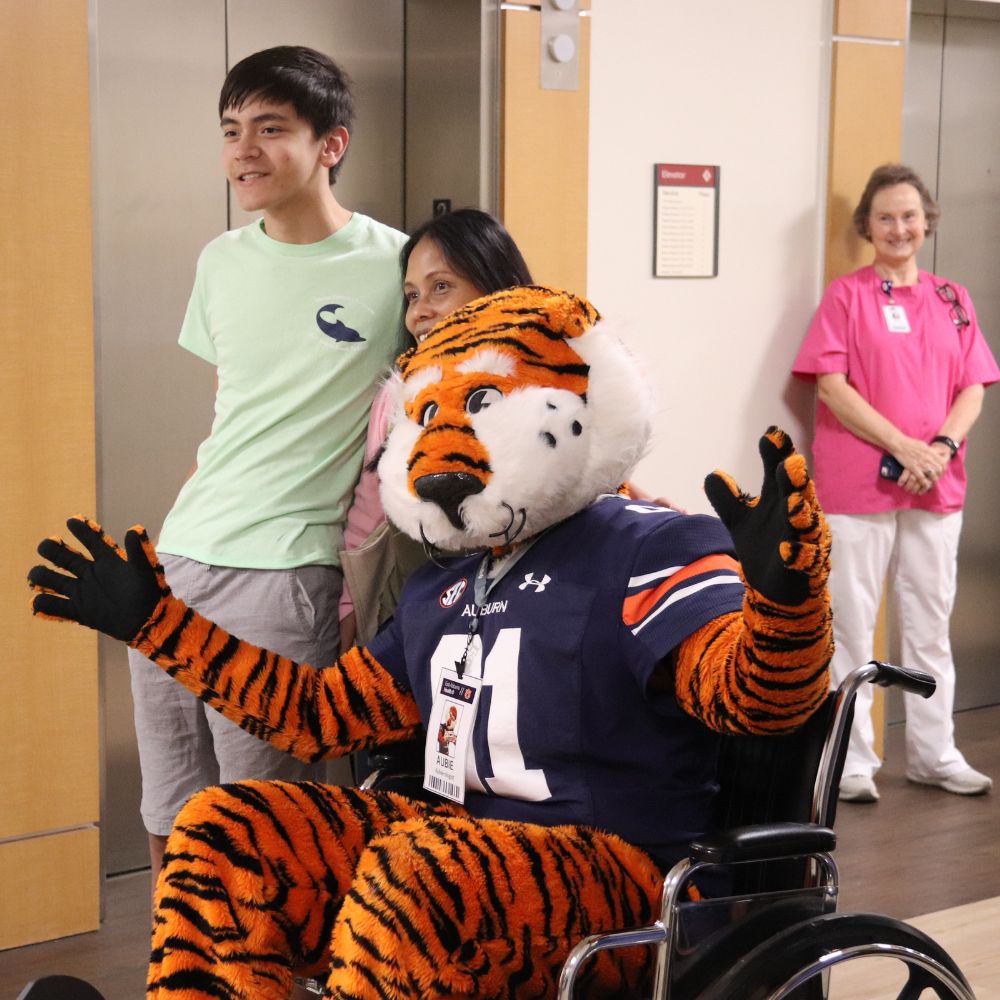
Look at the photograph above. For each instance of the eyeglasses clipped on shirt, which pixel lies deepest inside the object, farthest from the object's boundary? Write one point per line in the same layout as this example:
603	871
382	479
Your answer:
957	312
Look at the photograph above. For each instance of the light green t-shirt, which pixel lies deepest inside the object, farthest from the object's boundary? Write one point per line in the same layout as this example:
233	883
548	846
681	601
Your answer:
300	336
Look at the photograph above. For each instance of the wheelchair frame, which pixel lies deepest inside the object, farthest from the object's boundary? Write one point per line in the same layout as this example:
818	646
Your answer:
823	941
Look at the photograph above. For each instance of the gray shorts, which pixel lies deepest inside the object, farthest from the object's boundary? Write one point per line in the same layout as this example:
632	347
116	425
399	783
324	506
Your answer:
184	745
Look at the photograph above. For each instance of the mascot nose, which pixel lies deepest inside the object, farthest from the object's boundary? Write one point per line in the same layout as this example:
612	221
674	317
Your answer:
448	490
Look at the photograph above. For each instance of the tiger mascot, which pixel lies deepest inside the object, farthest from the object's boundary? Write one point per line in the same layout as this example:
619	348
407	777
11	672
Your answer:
583	651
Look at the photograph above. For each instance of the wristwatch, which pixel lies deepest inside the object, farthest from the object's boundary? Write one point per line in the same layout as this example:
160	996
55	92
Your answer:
945	440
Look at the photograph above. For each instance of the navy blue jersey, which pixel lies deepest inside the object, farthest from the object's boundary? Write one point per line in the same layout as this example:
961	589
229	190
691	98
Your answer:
566	642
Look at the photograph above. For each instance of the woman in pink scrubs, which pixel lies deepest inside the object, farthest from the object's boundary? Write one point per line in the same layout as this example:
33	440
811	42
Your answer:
900	367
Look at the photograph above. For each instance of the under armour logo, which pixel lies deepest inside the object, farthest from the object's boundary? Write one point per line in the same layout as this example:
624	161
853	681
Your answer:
334	328
530	581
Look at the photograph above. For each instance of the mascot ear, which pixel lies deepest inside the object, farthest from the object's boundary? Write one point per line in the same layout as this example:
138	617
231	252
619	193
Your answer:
621	403
565	312
525	311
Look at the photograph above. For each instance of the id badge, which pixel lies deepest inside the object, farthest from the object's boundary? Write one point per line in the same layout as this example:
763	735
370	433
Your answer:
895	318
449	734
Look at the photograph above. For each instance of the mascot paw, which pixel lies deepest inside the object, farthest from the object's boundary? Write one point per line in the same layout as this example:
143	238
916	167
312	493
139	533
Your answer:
115	590
781	537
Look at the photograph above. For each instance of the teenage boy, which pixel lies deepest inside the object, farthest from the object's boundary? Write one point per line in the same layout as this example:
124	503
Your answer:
300	314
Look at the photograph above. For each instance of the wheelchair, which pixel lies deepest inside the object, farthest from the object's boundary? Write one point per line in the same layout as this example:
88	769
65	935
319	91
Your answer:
775	933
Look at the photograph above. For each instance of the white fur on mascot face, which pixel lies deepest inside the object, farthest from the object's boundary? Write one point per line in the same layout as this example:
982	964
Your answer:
517	411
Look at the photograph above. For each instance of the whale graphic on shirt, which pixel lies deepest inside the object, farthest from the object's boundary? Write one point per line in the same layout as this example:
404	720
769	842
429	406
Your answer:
334	328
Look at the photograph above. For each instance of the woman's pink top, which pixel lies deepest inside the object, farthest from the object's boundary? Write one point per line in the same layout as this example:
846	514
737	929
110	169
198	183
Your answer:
911	378
365	513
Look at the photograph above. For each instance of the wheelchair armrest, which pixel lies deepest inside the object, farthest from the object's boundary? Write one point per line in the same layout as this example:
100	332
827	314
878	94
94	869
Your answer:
397	767
405	757
762	842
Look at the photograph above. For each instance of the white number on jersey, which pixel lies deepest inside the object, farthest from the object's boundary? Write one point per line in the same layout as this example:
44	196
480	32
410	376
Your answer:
510	777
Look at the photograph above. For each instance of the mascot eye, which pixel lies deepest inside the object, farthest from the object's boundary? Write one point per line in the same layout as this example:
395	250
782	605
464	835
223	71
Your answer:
481	399
428	414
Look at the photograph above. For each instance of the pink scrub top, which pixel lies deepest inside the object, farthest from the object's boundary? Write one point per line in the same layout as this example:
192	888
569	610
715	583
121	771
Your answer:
911	378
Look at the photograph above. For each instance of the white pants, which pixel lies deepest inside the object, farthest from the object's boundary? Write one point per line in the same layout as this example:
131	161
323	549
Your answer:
916	552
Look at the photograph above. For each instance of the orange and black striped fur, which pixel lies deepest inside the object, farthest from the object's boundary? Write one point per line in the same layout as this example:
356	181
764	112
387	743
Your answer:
386	897
517	411
383	896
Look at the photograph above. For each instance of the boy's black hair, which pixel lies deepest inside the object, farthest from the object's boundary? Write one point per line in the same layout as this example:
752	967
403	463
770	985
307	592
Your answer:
476	246
318	89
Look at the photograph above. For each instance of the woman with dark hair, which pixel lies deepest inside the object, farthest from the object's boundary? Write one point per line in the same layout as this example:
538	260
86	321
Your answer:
472	247
448	261
900	367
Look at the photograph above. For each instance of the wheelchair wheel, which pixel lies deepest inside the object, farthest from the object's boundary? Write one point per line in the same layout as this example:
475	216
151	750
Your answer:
771	971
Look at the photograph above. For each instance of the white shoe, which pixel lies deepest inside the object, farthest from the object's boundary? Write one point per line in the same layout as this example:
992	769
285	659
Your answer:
858	788
967	782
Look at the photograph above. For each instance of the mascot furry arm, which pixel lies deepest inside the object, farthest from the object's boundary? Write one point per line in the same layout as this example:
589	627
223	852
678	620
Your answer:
482	399
766	668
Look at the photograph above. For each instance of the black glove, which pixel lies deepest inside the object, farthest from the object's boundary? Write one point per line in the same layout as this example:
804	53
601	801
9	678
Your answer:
115	592
781	537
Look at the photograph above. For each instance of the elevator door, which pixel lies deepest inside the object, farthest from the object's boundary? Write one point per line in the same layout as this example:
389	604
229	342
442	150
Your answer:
951	135
159	197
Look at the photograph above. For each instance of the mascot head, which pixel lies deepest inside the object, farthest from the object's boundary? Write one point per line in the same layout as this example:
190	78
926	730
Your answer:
517	411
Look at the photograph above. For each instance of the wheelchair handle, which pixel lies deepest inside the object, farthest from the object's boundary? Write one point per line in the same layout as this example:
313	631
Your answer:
914	681
875	672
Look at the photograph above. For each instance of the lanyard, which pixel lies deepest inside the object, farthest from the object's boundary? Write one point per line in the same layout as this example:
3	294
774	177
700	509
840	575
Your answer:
481	588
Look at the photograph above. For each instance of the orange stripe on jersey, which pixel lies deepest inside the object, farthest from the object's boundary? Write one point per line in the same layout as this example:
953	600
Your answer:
636	607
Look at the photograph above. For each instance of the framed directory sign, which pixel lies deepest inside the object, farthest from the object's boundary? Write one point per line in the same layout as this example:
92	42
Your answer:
686	212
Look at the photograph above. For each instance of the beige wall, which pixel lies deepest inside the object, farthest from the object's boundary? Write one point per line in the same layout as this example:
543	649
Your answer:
48	673
743	86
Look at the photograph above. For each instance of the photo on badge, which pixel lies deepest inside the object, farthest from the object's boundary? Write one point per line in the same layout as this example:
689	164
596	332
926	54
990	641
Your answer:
448	732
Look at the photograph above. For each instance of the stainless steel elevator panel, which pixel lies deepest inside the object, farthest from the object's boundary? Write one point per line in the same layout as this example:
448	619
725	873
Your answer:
159	197
450	105
366	38
951	135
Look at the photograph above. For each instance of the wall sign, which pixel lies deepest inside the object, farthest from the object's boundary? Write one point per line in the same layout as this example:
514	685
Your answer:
686	240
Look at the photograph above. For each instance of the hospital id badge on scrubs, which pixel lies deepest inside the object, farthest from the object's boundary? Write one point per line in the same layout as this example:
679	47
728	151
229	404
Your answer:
449	734
895	318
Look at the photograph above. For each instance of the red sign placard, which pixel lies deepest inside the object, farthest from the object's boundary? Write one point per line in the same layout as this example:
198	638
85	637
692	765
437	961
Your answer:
686	174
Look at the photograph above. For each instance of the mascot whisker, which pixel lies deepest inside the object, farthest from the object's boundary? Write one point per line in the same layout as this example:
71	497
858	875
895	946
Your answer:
571	667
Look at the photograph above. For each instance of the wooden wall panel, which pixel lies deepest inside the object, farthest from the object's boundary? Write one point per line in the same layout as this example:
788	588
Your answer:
48	674
865	19
543	182
866	117
40	901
